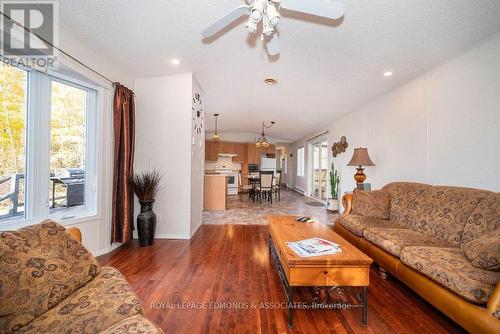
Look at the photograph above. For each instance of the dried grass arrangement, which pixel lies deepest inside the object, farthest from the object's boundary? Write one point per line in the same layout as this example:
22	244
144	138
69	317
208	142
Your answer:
146	184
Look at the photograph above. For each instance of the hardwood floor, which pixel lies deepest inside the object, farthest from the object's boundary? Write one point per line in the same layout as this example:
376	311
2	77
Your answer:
231	264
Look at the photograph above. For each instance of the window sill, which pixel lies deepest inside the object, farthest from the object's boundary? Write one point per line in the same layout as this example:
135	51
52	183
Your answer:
77	220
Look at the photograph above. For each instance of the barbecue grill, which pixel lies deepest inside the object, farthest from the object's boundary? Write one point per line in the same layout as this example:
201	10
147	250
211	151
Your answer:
73	179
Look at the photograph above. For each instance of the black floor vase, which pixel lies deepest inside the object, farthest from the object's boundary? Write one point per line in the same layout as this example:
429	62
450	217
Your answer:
146	224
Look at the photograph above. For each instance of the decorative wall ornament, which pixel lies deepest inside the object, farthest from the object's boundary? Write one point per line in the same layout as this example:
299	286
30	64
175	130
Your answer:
339	147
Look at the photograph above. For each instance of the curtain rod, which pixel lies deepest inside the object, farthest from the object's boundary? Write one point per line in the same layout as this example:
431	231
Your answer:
60	50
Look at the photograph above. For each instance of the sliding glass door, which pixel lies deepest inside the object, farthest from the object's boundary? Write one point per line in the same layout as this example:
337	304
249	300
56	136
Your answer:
319	169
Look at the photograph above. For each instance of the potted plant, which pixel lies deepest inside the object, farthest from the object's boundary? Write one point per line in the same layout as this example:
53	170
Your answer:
146	186
333	201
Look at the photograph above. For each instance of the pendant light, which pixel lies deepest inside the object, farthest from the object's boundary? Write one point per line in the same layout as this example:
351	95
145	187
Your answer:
216	136
262	141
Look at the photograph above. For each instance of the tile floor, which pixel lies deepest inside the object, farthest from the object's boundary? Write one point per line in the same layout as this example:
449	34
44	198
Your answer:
246	212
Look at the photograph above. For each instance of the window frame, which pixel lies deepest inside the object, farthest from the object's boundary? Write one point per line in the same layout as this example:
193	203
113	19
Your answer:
300	161
37	151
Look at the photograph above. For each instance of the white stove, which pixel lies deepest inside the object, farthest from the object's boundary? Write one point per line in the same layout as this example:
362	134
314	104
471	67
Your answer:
232	179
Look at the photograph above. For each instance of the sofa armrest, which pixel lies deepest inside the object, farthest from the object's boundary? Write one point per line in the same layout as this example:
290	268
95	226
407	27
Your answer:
347	203
493	305
75	233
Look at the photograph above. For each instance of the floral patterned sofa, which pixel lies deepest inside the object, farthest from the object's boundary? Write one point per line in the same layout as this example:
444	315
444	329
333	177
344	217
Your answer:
443	242
49	283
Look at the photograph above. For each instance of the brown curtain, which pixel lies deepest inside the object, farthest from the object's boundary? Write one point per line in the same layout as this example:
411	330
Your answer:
123	195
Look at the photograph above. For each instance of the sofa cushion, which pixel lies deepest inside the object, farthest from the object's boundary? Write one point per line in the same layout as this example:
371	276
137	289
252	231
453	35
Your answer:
450	268
439	211
133	325
373	204
357	224
40	265
442	212
98	305
484	252
403	196
485	218
394	239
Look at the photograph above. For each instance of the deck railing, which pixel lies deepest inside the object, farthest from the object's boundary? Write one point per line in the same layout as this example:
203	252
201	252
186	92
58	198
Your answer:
13	194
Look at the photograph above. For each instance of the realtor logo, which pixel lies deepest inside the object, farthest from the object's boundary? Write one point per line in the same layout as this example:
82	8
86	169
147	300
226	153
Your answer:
29	30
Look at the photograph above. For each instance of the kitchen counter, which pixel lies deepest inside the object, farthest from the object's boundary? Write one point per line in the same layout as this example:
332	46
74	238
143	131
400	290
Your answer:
215	192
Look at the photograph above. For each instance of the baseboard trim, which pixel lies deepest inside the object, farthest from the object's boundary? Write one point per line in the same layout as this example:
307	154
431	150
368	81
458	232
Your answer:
300	191
166	236
195	230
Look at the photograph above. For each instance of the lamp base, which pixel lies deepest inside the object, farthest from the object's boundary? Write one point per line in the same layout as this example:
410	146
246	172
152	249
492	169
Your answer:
360	177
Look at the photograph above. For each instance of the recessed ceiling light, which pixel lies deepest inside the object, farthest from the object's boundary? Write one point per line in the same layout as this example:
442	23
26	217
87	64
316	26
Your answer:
176	62
388	74
271	81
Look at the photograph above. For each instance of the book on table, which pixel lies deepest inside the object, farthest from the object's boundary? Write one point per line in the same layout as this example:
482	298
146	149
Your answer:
314	247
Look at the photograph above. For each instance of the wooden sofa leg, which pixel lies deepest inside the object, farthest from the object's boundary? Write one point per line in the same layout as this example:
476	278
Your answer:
383	273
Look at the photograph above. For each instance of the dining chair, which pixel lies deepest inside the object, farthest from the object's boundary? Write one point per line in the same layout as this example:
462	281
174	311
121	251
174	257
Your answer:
266	185
277	185
243	188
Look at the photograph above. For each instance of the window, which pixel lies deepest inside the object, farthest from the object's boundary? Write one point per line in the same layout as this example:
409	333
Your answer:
61	118
300	161
13	95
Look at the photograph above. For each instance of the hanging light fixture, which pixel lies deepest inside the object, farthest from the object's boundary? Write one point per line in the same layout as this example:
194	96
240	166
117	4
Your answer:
262	141
216	136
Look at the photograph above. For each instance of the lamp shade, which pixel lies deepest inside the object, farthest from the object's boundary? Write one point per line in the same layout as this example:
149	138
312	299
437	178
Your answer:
360	158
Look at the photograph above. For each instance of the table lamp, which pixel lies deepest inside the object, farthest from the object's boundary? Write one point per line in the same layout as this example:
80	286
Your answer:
360	158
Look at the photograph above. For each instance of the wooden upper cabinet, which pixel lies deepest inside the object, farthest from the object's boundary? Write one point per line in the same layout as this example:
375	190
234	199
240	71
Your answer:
271	149
253	154
245	152
211	150
240	149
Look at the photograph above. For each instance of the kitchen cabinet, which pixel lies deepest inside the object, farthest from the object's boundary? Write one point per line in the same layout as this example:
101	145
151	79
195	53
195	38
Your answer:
253	154
211	150
240	149
225	148
215	192
271	150
245	152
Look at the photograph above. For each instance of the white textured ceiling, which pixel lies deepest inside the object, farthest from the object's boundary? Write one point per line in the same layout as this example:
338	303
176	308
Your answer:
325	68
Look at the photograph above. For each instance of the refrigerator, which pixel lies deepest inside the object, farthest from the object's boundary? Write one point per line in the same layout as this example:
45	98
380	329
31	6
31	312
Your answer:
268	164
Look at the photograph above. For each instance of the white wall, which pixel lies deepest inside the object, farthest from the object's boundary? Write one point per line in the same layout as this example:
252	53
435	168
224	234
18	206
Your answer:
443	127
164	140
197	165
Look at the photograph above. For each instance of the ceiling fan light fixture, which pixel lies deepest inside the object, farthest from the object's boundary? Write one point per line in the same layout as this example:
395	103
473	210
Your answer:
251	26
273	16
267	30
258	11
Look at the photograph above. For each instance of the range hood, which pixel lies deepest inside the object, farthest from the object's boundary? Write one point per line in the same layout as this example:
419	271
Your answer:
227	155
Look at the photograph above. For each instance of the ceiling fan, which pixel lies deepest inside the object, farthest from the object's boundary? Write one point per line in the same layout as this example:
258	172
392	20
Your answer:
267	12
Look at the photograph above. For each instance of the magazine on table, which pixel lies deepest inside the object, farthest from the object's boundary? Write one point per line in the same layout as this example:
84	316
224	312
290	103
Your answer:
314	247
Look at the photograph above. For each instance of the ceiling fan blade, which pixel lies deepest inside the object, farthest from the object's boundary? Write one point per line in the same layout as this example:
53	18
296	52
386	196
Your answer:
225	21
273	44
325	8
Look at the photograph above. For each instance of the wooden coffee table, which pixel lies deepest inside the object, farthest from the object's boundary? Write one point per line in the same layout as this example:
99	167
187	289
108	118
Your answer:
349	268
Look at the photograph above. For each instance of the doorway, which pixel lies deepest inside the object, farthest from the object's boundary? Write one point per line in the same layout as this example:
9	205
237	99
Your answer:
319	172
